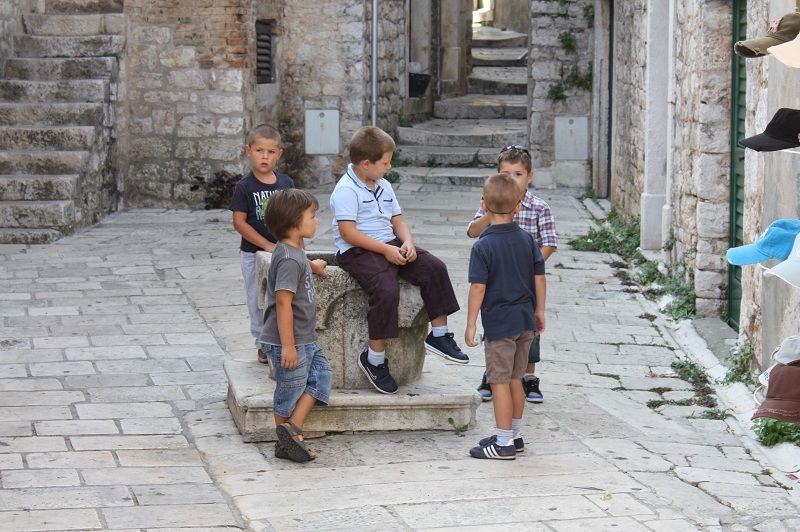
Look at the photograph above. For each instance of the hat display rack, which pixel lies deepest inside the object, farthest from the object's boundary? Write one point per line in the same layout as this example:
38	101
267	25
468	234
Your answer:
778	396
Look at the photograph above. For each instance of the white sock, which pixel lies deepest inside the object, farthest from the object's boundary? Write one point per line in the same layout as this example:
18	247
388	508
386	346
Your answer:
528	376
516	427
439	331
504	437
376	358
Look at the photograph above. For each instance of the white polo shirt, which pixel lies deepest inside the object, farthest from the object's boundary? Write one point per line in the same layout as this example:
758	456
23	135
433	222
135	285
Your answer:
372	210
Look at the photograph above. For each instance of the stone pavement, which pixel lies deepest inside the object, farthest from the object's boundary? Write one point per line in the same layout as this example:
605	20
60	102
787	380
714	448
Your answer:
112	411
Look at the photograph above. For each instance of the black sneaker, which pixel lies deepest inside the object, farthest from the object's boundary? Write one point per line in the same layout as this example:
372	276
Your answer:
519	443
484	389
531	387
378	375
446	347
491	450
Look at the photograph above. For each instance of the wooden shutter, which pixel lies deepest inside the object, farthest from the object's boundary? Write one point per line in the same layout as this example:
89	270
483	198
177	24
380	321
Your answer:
265	72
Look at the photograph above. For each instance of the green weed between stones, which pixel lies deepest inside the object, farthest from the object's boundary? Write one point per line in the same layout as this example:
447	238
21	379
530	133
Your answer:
713	413
740	363
458	430
772	431
392	176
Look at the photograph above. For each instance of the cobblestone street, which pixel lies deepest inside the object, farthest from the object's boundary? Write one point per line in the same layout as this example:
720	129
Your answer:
113	413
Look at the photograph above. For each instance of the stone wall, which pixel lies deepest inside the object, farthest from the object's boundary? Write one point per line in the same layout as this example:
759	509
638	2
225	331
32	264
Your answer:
186	86
10	23
508	14
549	93
701	147
770	307
330	68
628	106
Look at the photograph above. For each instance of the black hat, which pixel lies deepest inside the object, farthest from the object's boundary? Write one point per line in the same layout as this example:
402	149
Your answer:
782	132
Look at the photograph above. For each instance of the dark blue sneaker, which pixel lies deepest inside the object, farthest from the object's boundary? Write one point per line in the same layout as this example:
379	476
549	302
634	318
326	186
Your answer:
378	375
484	389
493	451
519	443
446	347
532	392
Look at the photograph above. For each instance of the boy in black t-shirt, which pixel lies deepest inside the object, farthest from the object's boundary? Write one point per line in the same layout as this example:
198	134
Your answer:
250	198
507	284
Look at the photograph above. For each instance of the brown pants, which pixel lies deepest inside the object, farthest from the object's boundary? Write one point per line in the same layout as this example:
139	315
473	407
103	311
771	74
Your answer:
379	279
507	358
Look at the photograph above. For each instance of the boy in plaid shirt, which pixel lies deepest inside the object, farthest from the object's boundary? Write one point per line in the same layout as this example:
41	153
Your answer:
536	218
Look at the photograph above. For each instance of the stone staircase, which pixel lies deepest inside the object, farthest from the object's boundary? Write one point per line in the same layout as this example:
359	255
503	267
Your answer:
459	146
55	120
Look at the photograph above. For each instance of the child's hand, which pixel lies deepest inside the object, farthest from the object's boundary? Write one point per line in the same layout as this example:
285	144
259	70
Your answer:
409	251
318	268
538	318
469	336
288	357
394	255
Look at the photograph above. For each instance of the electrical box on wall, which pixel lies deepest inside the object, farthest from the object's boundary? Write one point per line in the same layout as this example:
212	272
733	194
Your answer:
571	138
322	131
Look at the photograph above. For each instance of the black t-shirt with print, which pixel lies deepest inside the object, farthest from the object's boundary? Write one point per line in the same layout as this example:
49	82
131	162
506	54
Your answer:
251	196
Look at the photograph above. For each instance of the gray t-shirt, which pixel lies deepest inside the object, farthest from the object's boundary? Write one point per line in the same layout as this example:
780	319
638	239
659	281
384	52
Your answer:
290	271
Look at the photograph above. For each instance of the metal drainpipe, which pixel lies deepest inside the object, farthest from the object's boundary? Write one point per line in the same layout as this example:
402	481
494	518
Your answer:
374	103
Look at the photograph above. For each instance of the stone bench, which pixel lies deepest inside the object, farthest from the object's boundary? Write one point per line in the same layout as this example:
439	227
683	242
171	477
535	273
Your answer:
433	397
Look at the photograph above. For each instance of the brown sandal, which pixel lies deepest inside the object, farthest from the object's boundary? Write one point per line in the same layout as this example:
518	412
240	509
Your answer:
295	449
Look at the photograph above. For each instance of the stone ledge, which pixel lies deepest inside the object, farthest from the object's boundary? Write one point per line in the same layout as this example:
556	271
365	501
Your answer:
427	404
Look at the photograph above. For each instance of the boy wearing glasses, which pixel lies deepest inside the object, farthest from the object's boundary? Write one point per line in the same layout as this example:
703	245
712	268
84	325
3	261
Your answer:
507	284
536	218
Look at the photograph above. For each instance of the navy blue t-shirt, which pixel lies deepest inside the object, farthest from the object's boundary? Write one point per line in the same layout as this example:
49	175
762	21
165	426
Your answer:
505	258
251	196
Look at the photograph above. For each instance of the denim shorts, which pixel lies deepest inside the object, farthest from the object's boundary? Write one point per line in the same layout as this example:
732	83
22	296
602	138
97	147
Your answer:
312	375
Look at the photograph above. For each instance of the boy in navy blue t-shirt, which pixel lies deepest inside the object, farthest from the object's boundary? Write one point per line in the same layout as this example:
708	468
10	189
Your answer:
507	284
250	198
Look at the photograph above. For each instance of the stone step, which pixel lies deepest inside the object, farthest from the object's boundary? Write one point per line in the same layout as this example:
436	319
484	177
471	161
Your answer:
29	236
498	80
489	37
433	156
83	6
499	56
38	187
52	114
83	90
488	133
46	138
65	25
36	214
46	69
472	177
43	162
483	106
71	46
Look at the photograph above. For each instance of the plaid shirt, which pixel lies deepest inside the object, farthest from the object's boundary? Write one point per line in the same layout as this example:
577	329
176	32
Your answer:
536	218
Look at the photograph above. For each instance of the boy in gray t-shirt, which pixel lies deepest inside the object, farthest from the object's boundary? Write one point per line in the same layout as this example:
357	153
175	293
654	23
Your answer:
289	337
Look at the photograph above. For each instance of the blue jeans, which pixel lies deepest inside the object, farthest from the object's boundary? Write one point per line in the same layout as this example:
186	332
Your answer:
312	375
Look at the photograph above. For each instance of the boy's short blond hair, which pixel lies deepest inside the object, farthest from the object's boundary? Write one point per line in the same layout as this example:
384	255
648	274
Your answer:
370	143
515	154
264	131
501	194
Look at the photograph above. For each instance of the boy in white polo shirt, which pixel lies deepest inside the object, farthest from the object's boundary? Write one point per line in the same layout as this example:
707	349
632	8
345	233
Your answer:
374	245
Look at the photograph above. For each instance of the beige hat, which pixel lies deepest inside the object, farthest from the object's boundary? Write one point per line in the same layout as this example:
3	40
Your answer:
781	31
787	53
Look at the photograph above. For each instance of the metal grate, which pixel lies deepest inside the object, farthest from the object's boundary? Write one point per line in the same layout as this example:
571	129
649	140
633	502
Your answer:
265	72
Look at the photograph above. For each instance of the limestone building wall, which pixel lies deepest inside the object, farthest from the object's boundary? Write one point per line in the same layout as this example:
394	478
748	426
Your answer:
185	86
628	106
770	307
560	44
10	23
700	177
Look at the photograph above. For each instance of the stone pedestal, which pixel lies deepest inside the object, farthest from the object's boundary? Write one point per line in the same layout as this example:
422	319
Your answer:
439	400
433	398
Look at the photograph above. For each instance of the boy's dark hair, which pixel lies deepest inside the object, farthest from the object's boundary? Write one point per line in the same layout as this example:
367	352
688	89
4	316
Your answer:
370	143
515	154
501	194
263	131
285	210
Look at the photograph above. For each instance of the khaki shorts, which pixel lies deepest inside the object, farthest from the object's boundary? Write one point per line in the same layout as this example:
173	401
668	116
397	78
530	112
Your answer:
507	358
